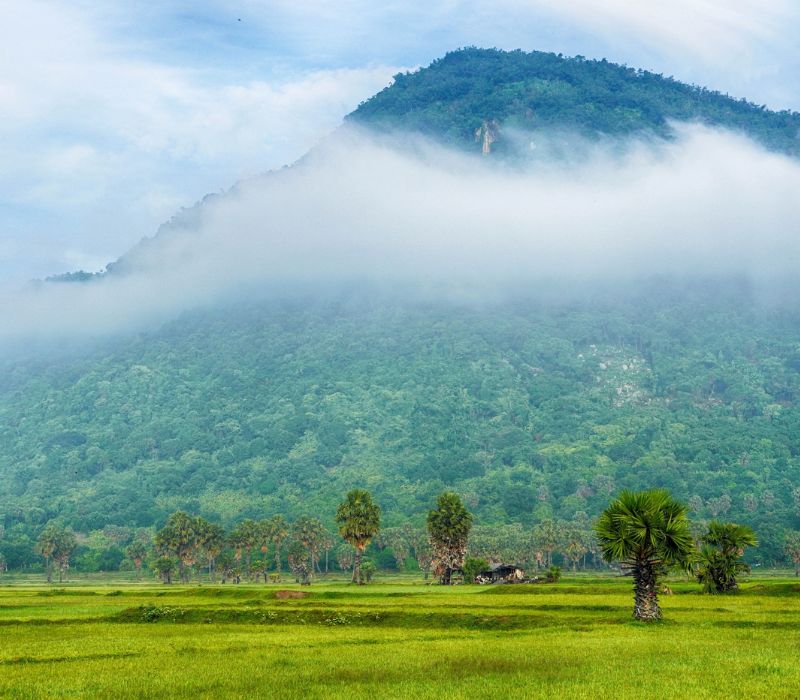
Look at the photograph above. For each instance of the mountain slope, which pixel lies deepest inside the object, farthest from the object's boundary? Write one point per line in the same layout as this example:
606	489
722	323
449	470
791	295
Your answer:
532	408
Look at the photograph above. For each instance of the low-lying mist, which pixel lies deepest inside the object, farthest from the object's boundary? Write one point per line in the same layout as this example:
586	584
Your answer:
428	222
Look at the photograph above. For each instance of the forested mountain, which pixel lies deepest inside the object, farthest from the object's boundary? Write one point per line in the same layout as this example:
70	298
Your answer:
529	408
458	94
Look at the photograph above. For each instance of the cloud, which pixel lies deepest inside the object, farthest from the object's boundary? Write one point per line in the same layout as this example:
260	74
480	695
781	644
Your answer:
436	223
92	124
124	112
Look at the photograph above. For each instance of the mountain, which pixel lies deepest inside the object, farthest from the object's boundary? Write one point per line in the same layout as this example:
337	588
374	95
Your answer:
461	96
532	407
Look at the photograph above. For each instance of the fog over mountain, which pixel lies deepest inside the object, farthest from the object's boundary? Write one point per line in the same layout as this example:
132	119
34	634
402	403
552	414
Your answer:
405	212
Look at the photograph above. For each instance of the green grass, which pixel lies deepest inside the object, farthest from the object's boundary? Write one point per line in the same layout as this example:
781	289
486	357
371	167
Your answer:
575	639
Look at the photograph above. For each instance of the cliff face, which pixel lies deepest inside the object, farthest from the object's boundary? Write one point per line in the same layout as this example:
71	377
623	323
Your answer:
486	134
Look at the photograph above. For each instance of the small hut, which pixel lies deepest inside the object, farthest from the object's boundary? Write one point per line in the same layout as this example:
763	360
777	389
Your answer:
502	573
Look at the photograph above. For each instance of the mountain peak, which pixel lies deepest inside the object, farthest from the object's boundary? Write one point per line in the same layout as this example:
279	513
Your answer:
456	95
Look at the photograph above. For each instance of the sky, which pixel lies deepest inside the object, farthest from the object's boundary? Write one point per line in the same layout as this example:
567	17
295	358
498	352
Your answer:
117	114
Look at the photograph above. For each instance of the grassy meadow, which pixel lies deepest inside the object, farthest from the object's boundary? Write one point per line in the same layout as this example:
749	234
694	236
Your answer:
574	639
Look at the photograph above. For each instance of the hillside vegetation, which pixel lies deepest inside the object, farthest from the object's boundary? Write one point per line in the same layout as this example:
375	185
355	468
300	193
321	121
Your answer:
457	94
530	410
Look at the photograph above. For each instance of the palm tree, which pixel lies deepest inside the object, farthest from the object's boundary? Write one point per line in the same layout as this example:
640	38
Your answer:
359	520
278	532
720	560
448	527
648	533
56	545
309	531
179	537
245	536
136	552
791	546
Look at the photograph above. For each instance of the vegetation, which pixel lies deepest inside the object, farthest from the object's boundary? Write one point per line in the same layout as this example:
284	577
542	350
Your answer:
792	548
720	557
56	544
648	533
448	528
359	520
535	413
473	566
396	639
461	97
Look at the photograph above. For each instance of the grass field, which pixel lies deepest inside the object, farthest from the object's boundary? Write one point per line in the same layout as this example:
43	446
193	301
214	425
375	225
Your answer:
574	639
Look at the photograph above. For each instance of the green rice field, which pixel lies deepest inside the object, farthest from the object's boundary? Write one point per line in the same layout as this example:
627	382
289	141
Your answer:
574	639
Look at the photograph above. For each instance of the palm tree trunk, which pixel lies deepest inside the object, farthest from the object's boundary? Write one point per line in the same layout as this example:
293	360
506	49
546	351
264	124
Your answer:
645	588
357	566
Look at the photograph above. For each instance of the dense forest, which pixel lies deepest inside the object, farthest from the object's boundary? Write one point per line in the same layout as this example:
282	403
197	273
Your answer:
530	410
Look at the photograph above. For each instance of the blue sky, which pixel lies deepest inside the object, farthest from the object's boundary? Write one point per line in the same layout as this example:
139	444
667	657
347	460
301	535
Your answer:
116	114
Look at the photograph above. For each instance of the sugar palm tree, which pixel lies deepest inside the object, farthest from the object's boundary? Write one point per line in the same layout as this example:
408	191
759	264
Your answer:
359	520
648	533
720	560
278	532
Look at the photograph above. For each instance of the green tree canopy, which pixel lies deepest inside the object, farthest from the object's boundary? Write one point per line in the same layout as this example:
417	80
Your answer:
448	527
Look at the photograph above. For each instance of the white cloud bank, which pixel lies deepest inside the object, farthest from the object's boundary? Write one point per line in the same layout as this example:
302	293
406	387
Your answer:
94	126
709	203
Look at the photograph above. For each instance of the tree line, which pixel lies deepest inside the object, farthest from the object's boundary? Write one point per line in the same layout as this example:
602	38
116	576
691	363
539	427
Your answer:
257	549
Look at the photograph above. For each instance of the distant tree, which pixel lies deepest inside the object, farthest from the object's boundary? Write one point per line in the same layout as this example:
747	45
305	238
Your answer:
164	568
792	548
278	531
56	544
720	558
228	568
327	542
46	546
648	533
396	540
210	541
448	527
180	537
246	536
547	537
260	568
420	544
3	564
311	532
359	520
472	567
136	551
575	543
345	556
299	563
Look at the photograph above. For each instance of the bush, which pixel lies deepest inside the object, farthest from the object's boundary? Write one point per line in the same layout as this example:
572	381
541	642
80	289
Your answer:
368	570
472	567
553	574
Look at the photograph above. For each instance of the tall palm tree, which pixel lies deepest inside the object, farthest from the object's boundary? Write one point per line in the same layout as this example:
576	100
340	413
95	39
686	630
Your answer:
309	531
648	533
278	532
720	560
359	520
